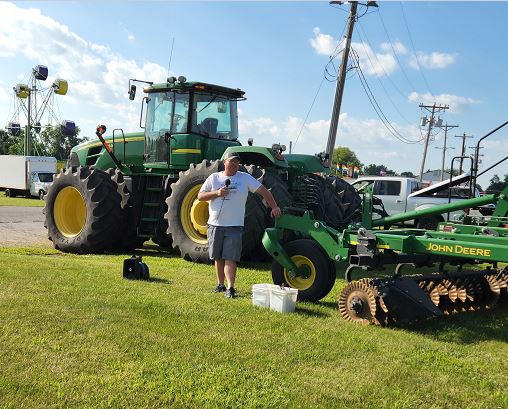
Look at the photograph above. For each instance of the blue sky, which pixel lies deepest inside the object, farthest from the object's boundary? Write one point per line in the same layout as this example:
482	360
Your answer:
277	53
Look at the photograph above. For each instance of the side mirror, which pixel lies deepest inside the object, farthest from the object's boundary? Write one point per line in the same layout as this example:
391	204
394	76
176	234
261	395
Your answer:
101	130
132	92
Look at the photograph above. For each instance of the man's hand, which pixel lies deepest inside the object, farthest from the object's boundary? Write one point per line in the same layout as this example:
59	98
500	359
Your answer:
276	212
223	191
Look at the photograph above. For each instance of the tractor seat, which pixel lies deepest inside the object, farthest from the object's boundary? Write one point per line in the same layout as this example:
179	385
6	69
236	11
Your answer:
209	126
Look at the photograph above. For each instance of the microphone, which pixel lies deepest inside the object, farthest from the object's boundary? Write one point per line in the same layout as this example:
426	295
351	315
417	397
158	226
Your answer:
226	183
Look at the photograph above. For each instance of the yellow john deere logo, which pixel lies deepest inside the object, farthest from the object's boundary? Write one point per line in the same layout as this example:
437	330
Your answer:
458	249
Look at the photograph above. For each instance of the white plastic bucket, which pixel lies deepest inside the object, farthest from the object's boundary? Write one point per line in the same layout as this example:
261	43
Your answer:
261	294
283	299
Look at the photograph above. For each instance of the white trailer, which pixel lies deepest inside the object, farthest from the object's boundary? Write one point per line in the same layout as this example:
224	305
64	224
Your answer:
26	175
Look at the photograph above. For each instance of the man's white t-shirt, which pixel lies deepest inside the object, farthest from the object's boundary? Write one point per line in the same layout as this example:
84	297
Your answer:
229	210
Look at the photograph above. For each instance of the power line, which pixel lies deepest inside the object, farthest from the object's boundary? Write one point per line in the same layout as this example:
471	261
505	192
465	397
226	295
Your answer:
411	86
308	112
376	106
384	71
414	49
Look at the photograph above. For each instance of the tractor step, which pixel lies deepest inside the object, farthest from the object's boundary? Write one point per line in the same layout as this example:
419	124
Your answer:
153	206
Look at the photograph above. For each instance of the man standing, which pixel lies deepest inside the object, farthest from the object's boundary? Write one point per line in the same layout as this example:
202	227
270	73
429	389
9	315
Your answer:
227	192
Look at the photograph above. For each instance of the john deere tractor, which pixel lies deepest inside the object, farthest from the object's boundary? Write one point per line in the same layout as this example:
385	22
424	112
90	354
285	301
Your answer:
122	190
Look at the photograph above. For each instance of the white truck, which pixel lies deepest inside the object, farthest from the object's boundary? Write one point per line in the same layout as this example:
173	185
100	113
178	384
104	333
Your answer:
26	175
402	194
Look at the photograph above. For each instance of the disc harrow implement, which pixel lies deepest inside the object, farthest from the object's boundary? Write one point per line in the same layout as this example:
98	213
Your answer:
469	261
367	301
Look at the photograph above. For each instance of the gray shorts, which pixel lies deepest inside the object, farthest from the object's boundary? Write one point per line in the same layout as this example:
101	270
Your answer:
225	242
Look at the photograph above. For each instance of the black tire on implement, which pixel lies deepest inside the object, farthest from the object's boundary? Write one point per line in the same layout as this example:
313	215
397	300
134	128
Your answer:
83	211
305	252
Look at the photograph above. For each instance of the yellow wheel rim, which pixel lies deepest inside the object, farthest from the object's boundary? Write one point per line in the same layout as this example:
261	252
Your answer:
69	212
302	283
194	216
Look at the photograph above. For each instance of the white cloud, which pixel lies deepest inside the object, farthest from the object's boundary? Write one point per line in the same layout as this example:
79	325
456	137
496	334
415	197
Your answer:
457	103
96	75
372	63
496	145
354	133
398	47
324	44
433	60
130	37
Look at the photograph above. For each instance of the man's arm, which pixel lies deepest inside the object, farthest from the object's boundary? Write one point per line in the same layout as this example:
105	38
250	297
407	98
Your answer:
267	195
204	196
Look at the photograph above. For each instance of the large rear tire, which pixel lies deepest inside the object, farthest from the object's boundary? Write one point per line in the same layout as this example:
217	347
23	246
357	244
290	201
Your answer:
279	190
83	211
128	240
319	281
187	217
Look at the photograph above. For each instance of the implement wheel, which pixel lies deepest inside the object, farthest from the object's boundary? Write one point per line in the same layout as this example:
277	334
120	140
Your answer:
357	303
83	211
316	283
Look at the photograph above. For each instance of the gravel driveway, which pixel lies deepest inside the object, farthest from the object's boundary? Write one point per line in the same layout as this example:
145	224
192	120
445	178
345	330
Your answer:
22	226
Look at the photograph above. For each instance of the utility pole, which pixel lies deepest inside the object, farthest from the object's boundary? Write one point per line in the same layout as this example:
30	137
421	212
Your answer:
463	151
334	121
446	127
341	80
433	109
476	152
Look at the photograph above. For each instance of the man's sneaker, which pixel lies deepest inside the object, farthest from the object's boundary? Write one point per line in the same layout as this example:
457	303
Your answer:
230	293
220	288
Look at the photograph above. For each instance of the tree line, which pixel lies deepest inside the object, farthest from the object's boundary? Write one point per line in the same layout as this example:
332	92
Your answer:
344	155
50	141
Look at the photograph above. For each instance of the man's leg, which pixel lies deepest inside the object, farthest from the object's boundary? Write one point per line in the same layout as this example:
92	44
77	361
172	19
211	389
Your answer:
219	270
230	272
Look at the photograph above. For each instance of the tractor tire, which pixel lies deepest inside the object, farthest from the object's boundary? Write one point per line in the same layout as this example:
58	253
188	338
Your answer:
187	217
277	187
428	223
321	278
162	238
10	193
83	211
350	200
128	240
280	192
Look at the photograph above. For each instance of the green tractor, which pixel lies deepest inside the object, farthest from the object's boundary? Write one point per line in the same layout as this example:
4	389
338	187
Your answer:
122	190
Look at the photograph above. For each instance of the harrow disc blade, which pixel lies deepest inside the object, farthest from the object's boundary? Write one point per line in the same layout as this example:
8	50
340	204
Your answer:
357	303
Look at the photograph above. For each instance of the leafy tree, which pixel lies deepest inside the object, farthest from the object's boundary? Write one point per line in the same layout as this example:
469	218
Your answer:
408	174
496	184
54	143
377	170
345	156
50	142
11	145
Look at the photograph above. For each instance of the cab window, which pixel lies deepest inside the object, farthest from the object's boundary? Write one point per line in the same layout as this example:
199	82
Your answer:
387	187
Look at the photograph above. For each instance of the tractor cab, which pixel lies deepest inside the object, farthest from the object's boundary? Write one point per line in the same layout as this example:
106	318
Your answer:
187	122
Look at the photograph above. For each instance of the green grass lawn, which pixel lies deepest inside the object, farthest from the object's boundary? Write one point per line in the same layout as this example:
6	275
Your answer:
20	201
74	333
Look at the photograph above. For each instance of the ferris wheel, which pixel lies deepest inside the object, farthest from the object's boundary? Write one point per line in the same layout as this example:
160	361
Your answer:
33	101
